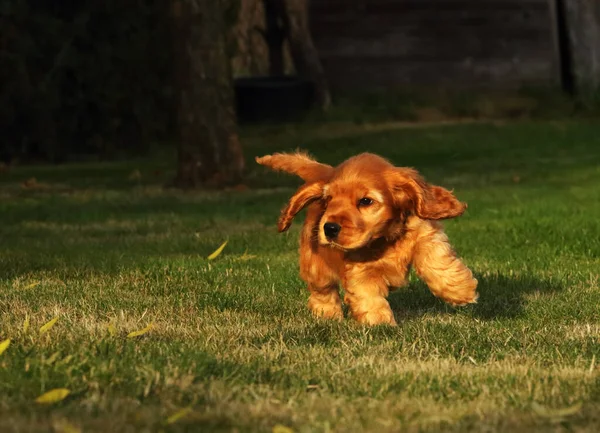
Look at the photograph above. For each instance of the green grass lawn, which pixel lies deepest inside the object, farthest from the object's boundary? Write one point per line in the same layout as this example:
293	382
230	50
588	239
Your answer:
233	344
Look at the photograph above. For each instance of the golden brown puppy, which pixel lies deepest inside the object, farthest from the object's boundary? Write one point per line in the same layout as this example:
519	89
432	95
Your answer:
367	222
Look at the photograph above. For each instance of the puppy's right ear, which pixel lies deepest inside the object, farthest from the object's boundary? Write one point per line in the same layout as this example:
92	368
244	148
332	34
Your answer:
299	164
305	195
430	202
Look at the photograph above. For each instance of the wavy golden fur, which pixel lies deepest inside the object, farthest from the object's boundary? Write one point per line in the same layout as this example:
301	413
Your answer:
367	223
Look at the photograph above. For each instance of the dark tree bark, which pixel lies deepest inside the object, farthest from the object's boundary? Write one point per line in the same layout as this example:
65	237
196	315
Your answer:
583	23
210	152
294	14
274	35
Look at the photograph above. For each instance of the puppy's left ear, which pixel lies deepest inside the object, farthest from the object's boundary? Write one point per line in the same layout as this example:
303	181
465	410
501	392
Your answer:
430	202
305	195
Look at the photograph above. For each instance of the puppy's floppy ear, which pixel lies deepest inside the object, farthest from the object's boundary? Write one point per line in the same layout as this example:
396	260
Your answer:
305	195
427	201
299	164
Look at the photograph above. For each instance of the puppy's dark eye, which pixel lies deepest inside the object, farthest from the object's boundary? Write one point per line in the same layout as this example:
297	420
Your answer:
365	201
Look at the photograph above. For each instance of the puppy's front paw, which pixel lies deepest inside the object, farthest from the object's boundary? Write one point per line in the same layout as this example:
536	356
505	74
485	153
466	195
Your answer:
325	310
378	317
462	294
332	314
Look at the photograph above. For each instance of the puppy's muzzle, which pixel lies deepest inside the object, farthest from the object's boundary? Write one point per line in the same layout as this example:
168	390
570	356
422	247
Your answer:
331	230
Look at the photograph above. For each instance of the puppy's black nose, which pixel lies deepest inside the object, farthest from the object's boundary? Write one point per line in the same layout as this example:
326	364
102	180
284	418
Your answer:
331	230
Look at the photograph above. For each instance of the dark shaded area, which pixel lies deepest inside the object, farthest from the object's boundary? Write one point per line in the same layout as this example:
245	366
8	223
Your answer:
472	154
209	152
94	79
500	296
564	47
454	43
274	36
83	79
277	98
228	207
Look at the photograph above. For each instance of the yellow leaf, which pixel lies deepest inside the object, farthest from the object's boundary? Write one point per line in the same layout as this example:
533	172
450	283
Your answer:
555	413
244	257
4	345
64	426
48	326
26	324
178	415
30	183
217	251
52	358
278	428
32	285
135	175
140	332
65	360
111	329
53	396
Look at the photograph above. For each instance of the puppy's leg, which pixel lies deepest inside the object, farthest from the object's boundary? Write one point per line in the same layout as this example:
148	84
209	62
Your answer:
324	300
446	275
367	301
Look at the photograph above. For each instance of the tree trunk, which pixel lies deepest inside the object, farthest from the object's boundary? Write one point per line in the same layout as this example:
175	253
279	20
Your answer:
210	152
294	14
274	35
583	23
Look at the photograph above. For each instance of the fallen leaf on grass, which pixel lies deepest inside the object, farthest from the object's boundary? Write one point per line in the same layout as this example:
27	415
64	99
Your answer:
244	257
112	330
52	358
65	360
26	324
178	415
53	396
64	426
141	331
217	251
32	183
4	345
279	428
238	188
241	187
135	175
29	183
429	420
32	285
48	326
556	414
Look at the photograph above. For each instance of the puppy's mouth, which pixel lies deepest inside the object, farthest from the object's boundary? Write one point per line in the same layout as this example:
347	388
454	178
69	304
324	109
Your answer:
336	244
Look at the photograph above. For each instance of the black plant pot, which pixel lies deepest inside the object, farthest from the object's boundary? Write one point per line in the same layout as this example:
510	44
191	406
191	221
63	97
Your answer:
273	99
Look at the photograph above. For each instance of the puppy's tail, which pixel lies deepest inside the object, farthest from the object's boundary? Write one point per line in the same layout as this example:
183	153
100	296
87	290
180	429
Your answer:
299	164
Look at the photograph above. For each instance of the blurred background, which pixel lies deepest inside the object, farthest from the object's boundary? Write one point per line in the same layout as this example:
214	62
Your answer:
111	79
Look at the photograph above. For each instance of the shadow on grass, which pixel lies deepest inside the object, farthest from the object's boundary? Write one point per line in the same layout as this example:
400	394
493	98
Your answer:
50	207
500	296
463	153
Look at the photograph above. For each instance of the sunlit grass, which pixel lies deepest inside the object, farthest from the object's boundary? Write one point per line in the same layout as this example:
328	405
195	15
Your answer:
149	334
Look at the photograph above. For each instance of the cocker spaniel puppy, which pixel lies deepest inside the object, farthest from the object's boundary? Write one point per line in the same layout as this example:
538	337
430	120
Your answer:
367	222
